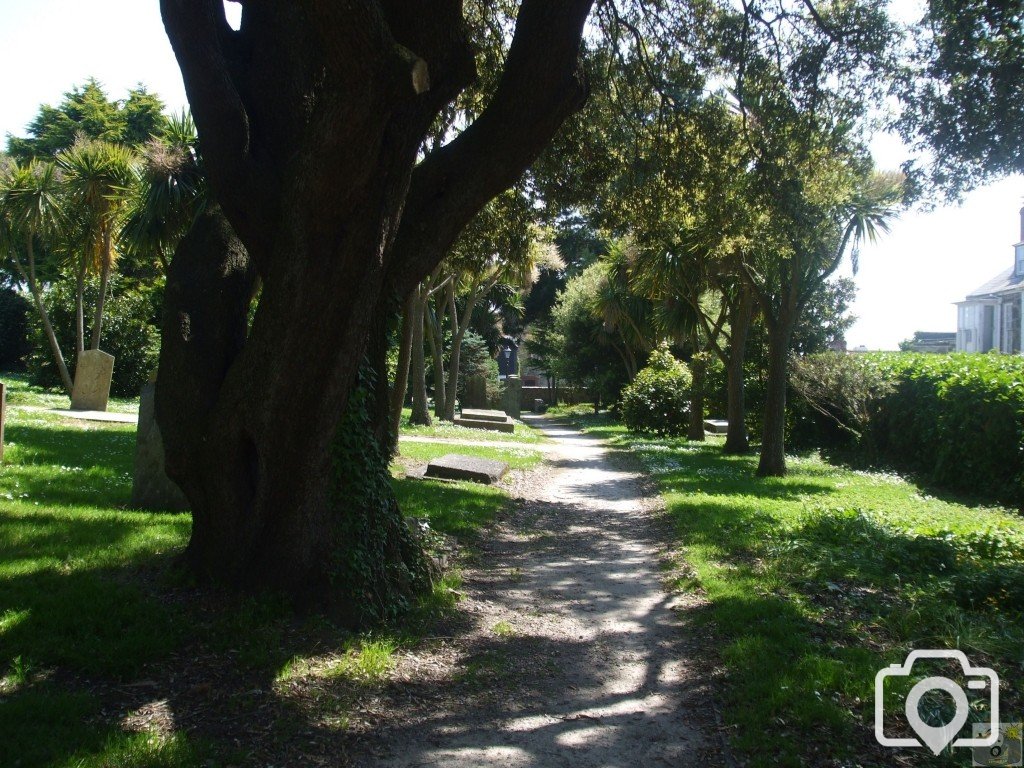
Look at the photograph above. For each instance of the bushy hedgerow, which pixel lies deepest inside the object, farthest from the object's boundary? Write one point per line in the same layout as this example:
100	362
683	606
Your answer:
15	311
658	399
957	420
130	333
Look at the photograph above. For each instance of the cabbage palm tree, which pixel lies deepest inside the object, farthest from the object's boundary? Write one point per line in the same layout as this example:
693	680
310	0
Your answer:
171	191
30	215
98	179
628	315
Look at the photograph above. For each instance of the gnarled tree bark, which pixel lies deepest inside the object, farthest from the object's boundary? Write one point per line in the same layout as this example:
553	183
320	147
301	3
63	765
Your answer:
311	117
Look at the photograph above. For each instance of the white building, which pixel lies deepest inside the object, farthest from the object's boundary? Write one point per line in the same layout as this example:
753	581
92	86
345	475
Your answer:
991	317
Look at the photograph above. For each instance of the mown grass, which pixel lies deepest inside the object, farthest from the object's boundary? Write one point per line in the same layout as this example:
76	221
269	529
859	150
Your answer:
817	580
21	393
516	458
90	608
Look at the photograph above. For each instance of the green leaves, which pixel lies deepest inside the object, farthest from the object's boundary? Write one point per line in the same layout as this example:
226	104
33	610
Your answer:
956	419
658	400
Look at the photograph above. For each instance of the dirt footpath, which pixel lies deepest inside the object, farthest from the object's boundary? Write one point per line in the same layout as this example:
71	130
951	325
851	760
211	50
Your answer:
571	654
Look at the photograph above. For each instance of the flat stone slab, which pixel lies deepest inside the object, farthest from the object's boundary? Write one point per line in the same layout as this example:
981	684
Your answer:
455	466
496	426
481	414
716	426
120	418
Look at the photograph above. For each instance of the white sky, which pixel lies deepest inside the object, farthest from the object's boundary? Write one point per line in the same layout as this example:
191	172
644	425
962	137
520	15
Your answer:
906	282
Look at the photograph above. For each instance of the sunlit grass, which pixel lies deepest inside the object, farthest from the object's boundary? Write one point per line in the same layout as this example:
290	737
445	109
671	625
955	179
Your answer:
818	579
87	593
21	393
516	458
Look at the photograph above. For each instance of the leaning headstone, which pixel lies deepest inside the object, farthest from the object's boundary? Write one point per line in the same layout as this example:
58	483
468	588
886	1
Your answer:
3	416
455	466
93	373
151	488
513	394
476	392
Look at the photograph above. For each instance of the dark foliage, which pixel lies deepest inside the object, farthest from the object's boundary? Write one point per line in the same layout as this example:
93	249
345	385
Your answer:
15	311
130	333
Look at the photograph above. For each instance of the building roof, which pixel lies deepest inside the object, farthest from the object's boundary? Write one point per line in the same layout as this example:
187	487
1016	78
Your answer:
1005	282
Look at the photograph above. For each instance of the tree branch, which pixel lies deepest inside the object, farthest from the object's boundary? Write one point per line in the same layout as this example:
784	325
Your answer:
541	86
196	29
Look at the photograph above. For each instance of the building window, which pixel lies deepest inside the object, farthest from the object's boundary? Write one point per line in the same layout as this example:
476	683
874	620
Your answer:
968	335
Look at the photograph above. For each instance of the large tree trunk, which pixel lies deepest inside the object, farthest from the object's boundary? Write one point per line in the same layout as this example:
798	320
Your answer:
401	384
741	314
311	118
420	408
773	438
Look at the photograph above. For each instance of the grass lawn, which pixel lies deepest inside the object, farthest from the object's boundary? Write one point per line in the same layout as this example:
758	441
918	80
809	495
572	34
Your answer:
106	657
815	581
516	458
21	393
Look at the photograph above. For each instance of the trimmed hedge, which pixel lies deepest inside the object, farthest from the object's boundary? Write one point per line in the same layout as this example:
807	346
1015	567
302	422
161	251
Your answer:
957	420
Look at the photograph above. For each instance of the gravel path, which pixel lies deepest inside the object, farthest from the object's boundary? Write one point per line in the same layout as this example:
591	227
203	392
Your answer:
572	653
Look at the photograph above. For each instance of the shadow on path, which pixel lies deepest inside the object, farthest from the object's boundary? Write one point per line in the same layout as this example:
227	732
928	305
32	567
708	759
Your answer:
578	657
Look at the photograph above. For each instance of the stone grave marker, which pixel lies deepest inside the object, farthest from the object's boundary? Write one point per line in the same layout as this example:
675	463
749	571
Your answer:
476	391
93	373
476	418
455	466
716	426
513	396
151	487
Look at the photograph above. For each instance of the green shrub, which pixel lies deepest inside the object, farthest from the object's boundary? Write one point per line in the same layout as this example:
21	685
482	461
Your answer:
957	420
658	400
129	333
836	398
15	311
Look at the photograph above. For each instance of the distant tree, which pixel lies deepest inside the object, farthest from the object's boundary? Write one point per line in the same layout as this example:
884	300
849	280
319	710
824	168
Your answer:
590	357
543	345
86	111
31	217
826	318
964	94
98	177
501	246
